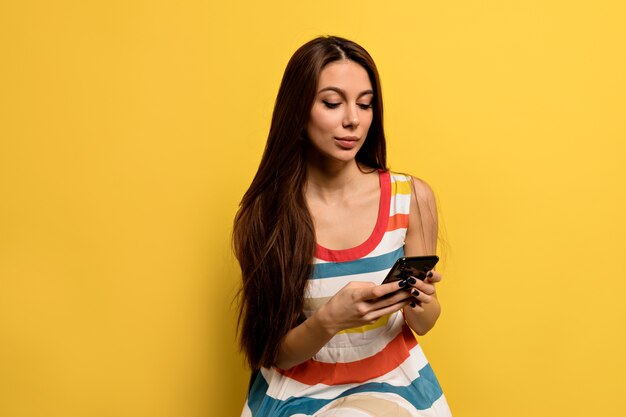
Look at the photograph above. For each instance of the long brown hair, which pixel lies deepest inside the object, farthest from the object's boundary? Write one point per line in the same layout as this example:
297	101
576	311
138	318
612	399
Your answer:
274	237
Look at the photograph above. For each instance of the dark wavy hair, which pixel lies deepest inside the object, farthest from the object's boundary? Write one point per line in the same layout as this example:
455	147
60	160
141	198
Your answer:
273	236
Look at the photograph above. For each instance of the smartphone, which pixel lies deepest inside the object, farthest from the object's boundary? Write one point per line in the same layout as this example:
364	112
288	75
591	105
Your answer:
411	266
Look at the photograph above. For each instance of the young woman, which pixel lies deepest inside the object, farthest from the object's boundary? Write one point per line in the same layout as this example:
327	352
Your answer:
316	233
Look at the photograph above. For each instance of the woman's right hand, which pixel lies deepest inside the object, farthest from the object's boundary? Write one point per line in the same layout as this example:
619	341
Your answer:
356	304
361	303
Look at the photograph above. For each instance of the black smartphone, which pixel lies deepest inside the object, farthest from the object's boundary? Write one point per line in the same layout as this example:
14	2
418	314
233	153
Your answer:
411	266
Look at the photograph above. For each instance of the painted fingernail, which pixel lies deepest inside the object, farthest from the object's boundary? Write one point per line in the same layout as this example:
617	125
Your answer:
411	280
415	292
402	284
412	304
430	274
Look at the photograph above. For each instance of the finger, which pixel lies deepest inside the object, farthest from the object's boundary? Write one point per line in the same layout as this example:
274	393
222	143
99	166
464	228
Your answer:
389	309
421	296
358	290
360	284
433	276
397	296
416	306
379	291
420	285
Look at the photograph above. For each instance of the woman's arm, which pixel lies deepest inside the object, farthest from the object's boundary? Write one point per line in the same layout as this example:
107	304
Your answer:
421	239
356	304
303	341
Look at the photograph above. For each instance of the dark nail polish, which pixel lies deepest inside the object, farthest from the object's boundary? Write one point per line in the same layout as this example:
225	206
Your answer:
430	274
402	284
415	292
412	304
411	280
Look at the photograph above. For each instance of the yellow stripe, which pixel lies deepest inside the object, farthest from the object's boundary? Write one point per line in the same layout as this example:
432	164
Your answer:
401	187
362	329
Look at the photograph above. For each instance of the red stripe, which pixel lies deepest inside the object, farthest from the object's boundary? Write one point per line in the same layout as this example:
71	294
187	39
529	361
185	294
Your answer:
313	372
398	221
344	255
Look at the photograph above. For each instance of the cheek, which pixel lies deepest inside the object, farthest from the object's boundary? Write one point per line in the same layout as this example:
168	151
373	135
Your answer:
324	120
367	121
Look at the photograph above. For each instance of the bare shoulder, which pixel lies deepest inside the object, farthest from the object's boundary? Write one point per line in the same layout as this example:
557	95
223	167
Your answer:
422	232
423	193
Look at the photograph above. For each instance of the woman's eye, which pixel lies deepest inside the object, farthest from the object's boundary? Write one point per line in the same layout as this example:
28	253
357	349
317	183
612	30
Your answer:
330	105
365	106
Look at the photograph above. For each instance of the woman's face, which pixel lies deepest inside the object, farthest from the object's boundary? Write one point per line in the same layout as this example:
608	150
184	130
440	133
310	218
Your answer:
342	111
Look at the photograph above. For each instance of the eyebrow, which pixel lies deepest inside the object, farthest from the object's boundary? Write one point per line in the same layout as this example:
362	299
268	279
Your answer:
343	93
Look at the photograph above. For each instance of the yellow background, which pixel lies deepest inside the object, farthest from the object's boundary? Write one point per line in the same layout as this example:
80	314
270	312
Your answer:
130	129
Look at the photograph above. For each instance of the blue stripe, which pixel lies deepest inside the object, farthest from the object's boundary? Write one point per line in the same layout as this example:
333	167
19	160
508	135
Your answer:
421	393
359	266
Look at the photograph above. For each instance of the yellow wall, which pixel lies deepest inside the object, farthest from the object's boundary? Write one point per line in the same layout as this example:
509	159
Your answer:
130	129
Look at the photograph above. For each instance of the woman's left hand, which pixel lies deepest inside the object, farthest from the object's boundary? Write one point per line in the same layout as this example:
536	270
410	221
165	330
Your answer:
423	292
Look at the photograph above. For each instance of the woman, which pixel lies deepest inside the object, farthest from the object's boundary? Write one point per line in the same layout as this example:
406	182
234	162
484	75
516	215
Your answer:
320	226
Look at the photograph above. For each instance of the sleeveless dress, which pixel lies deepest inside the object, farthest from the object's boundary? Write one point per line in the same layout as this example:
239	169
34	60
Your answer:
373	370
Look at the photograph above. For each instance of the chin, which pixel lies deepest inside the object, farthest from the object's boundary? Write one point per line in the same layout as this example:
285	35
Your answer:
333	154
344	159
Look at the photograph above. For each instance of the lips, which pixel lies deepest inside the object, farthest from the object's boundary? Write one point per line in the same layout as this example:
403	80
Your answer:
347	142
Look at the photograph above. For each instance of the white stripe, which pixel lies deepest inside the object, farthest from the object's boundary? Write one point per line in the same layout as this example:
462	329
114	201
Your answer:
399	178
350	347
400	204
390	242
439	408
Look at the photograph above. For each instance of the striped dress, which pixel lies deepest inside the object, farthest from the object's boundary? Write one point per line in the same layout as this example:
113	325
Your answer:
374	370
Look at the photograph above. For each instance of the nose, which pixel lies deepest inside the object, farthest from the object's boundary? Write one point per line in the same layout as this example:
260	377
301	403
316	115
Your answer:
351	117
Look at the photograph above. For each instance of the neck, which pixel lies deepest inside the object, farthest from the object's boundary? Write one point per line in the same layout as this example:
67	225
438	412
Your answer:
333	181
332	175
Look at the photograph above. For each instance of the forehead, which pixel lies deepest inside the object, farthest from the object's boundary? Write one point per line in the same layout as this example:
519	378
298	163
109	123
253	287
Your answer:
347	75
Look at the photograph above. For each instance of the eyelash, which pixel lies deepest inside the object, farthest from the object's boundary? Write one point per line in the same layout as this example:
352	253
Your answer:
335	105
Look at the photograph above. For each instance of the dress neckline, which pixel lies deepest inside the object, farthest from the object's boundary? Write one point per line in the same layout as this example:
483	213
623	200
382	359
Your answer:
357	252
